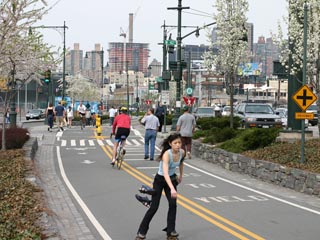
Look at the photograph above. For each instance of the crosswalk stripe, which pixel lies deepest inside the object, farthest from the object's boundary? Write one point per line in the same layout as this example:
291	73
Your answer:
63	143
109	142
91	142
136	142
132	143
82	142
100	142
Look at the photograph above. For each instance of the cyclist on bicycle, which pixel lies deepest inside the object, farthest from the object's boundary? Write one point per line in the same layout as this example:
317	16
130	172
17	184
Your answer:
120	127
82	113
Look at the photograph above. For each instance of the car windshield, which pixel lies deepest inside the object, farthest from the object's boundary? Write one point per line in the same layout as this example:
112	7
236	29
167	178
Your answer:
205	110
34	111
266	109
313	107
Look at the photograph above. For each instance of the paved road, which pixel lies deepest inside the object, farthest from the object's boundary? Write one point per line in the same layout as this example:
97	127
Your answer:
95	201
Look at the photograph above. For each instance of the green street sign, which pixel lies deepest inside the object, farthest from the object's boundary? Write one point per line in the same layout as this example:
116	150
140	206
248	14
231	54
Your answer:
171	42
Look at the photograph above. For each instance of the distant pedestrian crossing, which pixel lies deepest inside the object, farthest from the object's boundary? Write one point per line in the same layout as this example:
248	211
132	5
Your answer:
98	142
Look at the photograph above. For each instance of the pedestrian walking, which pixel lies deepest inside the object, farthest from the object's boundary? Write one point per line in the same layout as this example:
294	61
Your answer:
186	125
170	158
151	123
70	116
60	115
112	113
50	116
160	112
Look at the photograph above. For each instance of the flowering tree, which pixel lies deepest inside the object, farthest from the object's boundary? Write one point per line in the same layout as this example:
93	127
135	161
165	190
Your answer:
231	48
22	55
82	89
295	22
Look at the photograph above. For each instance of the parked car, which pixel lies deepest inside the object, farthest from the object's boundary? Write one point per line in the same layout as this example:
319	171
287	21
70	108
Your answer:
226	111
35	114
259	115
201	112
313	109
283	114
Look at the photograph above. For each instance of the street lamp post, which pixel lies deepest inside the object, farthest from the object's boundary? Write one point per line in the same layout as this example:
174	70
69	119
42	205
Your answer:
64	27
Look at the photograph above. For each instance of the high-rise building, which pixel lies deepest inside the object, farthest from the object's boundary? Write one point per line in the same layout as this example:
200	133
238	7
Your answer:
74	60
93	64
265	52
132	55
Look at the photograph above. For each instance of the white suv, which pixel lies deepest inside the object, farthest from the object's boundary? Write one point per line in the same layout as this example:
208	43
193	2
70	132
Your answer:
313	109
258	115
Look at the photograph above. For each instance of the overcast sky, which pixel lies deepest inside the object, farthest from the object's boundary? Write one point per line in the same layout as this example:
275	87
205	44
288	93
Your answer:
101	21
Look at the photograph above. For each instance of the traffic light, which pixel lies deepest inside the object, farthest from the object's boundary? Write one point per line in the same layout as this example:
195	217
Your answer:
47	76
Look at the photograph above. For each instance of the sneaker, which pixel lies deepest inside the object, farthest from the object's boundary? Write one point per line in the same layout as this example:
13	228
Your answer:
140	236
173	234
151	159
61	129
189	155
48	129
113	162
146	157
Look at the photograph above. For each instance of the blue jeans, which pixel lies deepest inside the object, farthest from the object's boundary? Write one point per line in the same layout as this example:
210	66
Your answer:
150	137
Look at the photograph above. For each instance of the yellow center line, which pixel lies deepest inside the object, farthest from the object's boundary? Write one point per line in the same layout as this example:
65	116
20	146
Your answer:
188	204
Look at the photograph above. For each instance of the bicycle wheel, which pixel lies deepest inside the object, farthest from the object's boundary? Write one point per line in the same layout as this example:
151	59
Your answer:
119	161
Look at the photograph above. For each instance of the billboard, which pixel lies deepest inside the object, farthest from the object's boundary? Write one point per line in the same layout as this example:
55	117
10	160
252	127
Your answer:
250	69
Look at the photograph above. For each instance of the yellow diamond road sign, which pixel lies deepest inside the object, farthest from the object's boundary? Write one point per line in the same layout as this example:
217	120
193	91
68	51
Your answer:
304	97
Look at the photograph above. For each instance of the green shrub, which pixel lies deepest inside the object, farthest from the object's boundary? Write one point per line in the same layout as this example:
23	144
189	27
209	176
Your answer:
199	134
15	137
250	139
217	135
217	122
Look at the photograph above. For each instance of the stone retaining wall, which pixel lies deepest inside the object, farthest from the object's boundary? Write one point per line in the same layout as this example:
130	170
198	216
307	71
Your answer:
296	179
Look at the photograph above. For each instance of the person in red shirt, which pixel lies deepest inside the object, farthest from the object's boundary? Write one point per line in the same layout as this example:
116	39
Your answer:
121	127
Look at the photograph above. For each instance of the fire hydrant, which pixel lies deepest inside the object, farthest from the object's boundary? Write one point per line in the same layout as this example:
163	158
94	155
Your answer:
98	126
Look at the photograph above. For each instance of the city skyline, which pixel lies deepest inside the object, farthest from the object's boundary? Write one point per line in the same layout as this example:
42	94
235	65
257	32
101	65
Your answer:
100	22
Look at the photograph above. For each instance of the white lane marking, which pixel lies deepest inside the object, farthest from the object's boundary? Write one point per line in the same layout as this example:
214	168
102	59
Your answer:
73	143
91	142
82	142
87	161
254	190
63	143
109	142
100	142
81	203
136	142
128	143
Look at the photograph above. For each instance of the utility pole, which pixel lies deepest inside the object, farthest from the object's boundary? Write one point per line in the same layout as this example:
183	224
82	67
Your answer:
64	27
179	66
164	55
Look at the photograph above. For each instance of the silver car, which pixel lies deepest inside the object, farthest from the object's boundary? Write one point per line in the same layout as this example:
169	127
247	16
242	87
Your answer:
258	115
35	114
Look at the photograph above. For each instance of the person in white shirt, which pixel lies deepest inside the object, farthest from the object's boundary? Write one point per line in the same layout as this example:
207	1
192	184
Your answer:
82	113
69	116
112	113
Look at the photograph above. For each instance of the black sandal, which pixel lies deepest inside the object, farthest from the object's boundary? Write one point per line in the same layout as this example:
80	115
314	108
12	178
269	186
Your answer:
144	200
147	190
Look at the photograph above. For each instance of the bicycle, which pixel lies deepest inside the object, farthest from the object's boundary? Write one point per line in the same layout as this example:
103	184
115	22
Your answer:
120	151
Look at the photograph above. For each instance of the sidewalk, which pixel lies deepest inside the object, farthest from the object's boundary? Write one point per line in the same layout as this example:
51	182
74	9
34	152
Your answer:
62	220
